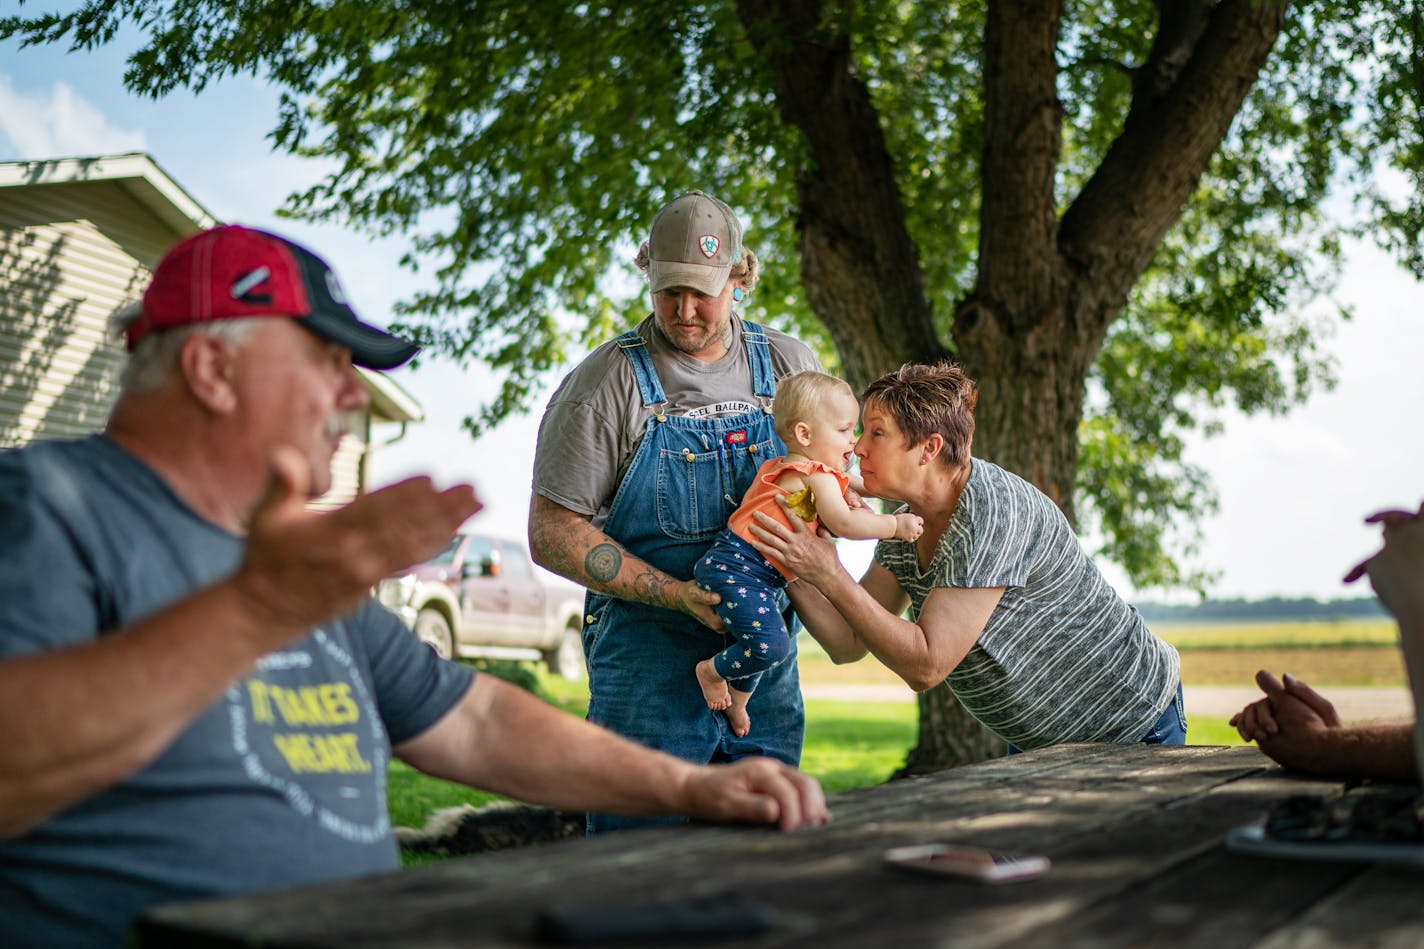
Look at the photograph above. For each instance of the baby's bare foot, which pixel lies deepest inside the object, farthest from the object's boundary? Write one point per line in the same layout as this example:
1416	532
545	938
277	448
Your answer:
737	715
714	687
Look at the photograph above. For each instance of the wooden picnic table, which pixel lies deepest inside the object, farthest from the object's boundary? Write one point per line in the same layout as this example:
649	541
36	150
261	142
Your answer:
1135	835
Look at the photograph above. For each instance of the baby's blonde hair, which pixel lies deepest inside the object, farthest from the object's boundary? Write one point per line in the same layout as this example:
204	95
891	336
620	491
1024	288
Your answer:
798	396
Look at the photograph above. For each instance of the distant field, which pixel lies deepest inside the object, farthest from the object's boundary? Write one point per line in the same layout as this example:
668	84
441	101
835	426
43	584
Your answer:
1348	652
1294	635
1320	665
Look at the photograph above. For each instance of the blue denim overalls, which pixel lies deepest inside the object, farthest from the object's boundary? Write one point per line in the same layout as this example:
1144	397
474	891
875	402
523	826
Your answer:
687	477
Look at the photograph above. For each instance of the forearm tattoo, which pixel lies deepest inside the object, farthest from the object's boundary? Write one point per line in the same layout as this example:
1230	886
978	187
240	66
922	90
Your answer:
603	563
563	539
655	587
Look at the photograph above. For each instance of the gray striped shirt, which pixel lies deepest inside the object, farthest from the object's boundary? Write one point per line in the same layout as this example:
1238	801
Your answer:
1063	657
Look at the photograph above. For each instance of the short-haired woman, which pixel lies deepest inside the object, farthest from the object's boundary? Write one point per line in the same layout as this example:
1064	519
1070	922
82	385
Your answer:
1004	604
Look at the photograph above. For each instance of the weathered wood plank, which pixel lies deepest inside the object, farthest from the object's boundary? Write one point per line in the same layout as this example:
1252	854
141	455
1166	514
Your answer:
1378	909
1134	834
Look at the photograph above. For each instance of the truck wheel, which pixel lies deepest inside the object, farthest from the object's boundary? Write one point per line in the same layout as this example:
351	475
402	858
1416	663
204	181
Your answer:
566	659
434	631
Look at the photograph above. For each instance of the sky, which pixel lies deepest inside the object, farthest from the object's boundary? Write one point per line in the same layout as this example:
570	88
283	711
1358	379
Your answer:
1293	490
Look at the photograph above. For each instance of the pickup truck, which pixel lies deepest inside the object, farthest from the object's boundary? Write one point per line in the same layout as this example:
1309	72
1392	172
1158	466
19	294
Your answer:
483	596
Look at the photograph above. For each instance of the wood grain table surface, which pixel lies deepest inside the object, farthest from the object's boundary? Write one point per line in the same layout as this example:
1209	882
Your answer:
1135	835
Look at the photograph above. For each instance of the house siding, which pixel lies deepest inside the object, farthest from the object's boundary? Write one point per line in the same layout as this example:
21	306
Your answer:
346	469
71	255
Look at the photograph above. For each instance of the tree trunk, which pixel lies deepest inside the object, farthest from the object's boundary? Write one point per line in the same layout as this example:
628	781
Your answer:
948	736
859	265
1049	285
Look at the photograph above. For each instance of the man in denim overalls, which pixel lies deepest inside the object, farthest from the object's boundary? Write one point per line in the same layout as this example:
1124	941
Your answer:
644	451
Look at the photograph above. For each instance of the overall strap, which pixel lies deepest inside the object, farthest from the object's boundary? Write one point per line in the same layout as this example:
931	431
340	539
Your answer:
636	351
759	358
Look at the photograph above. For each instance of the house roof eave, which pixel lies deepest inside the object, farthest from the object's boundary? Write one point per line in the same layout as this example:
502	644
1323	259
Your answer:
135	172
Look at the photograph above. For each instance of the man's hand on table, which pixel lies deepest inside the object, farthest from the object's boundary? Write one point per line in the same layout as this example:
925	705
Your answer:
756	791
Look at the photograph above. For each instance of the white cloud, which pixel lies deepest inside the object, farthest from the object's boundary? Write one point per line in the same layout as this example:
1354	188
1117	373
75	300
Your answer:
56	123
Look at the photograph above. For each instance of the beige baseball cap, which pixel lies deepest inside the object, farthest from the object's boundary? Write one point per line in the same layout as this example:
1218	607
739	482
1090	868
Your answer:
695	241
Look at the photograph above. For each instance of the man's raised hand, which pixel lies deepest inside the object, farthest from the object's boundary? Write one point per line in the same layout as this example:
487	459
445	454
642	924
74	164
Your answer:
302	567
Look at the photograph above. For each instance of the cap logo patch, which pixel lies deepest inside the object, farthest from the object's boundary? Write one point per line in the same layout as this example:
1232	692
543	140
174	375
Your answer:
247	284
333	286
709	244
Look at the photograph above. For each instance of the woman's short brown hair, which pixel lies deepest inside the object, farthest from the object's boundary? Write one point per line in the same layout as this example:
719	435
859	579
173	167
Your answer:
928	399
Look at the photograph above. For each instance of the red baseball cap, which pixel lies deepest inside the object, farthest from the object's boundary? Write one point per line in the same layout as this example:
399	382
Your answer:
233	272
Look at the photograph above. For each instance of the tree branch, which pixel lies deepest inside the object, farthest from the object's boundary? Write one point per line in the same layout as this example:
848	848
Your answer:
859	266
1196	79
1022	118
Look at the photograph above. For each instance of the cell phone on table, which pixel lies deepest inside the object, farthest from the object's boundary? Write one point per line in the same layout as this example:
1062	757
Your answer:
974	863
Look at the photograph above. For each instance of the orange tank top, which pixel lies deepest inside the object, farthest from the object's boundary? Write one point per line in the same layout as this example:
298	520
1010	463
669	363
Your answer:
762	495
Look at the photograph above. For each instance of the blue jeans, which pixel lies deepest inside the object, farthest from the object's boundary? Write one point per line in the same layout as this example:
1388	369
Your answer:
1169	729
642	686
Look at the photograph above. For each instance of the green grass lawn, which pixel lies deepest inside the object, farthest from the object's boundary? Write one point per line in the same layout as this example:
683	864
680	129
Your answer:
852	744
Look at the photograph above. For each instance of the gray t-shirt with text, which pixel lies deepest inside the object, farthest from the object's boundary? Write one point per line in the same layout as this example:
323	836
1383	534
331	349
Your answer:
281	782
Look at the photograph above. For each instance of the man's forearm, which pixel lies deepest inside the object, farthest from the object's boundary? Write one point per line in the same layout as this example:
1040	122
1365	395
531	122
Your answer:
567	543
484	743
79	720
1362	751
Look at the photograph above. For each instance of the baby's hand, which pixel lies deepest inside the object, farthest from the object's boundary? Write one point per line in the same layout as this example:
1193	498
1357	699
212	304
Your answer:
909	526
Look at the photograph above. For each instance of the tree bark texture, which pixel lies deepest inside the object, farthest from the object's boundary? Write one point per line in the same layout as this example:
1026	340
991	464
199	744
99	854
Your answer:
1050	280
859	265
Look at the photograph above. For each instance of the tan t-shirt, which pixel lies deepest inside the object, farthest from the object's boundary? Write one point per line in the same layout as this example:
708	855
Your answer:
595	420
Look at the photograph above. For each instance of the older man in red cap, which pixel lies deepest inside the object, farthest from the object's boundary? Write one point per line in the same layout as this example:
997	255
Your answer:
197	695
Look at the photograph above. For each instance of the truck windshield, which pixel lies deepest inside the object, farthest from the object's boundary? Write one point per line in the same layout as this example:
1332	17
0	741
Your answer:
447	556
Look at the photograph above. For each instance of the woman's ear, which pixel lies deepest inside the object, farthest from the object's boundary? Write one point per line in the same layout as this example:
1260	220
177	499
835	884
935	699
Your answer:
206	363
931	448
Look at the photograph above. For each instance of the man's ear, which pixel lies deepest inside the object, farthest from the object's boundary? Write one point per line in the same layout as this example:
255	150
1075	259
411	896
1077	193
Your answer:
206	363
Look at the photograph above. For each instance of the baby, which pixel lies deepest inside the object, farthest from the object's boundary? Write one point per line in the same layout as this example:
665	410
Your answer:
816	415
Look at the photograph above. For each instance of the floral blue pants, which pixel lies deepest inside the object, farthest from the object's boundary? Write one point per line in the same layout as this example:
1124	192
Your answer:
749	586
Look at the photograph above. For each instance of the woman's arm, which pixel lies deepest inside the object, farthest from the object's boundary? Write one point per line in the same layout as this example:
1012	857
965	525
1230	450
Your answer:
921	653
825	623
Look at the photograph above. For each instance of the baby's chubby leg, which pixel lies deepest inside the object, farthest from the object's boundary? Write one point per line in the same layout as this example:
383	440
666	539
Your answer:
736	712
714	687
